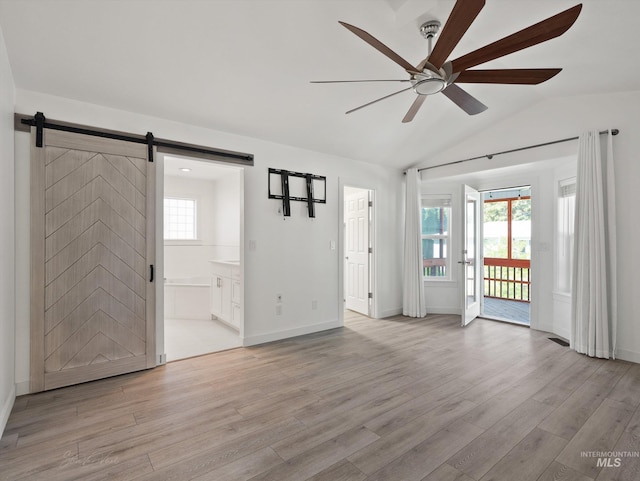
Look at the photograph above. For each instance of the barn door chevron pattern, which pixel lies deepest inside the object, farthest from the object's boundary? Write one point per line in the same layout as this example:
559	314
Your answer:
94	287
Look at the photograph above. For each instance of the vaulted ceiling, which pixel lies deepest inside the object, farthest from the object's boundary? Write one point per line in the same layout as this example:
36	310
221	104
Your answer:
244	66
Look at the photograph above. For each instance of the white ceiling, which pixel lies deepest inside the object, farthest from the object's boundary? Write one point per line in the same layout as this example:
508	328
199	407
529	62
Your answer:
244	66
199	169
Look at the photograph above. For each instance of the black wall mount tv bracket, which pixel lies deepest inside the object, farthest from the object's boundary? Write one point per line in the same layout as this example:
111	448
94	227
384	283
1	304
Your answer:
310	199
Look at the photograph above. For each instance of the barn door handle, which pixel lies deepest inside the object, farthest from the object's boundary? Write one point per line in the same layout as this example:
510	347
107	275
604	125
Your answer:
151	273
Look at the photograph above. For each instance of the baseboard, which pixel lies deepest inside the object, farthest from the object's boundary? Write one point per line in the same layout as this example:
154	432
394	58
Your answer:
286	334
564	333
456	311
22	388
627	355
391	312
7	406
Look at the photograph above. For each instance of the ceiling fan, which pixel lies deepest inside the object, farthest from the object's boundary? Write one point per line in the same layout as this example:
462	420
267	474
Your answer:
435	74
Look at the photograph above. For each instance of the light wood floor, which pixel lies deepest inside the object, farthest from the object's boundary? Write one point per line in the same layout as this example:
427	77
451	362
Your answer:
392	400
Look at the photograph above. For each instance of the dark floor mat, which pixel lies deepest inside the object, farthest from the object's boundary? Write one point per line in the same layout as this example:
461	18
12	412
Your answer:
557	340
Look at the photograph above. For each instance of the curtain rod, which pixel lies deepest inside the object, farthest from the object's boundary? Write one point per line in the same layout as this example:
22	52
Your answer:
490	156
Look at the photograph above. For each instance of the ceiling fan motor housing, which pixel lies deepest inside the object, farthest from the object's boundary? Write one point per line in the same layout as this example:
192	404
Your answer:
428	83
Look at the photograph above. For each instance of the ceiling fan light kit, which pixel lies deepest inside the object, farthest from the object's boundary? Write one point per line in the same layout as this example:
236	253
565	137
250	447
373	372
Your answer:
428	83
436	74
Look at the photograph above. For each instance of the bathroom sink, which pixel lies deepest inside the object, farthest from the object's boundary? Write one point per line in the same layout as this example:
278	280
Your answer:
231	262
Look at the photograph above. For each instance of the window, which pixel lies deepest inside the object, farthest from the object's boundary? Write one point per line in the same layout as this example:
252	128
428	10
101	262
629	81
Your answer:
180	219
507	243
435	220
564	233
507	227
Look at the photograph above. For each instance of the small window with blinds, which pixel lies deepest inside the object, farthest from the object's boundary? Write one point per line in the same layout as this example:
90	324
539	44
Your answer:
180	219
436	236
565	234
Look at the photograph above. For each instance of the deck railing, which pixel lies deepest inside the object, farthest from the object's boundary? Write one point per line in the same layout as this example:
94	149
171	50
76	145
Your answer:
507	279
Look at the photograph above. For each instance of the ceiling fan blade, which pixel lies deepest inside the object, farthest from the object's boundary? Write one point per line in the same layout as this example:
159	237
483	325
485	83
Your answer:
540	32
378	45
464	100
524	76
462	16
353	81
378	100
413	110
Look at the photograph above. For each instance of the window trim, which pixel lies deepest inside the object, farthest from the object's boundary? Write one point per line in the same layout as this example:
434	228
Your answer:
566	189
442	201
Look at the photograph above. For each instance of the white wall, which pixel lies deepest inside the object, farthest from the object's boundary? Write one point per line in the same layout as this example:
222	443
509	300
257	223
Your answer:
227	216
218	228
7	233
291	257
567	117
445	296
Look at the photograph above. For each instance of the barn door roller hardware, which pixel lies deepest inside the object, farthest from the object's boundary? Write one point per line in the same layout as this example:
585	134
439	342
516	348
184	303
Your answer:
40	122
285	192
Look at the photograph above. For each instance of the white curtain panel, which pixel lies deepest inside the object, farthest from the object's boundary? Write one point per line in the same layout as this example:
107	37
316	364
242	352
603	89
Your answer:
413	300
594	293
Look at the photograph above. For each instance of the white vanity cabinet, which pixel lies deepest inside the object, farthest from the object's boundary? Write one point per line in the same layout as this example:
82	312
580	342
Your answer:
225	292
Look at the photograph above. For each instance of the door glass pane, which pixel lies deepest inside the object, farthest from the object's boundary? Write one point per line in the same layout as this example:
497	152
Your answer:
496	229
521	229
470	254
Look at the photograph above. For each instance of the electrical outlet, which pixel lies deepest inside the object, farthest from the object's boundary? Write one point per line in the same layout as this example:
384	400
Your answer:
314	305
278	310
278	298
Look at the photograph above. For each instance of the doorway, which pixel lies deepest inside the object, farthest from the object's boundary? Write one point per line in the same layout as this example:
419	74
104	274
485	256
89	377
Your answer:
358	249
202	270
506	250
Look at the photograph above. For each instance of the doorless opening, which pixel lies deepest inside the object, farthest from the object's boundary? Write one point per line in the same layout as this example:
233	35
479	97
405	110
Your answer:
201	218
507	254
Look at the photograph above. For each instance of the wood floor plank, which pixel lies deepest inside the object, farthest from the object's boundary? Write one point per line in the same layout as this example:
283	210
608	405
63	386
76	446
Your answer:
244	468
446	473
627	390
528	459
321	457
320	432
427	456
394	419
385	399
599	433
342	471
571	415
394	444
479	456
560	472
623	467
264	431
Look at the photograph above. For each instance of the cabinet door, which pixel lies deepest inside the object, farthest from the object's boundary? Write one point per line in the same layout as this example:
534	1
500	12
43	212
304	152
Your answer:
216	296
235	315
226	298
235	291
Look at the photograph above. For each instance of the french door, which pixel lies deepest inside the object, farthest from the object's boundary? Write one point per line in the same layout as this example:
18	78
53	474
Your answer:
471	256
92	251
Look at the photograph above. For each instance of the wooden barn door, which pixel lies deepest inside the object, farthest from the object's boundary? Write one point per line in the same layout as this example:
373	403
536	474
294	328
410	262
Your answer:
92	245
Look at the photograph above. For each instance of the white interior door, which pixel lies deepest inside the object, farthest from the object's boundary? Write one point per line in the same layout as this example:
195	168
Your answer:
471	256
357	251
